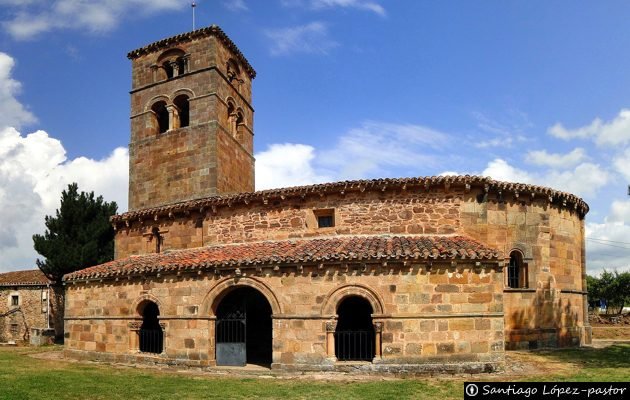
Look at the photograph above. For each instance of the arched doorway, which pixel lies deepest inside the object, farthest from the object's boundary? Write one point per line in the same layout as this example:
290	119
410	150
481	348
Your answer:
151	335
354	335
243	328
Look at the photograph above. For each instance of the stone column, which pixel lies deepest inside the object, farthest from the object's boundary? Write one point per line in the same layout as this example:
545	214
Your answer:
175	67
331	326
164	338
134	336
186	63
378	332
232	122
173	117
212	326
154	73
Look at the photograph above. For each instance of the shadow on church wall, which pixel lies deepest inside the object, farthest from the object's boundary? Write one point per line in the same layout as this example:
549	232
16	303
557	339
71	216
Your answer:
545	317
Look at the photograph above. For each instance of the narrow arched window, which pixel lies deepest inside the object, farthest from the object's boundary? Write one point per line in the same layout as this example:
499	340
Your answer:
168	68
232	118
150	334
161	116
233	72
517	271
173	62
181	66
239	124
183	110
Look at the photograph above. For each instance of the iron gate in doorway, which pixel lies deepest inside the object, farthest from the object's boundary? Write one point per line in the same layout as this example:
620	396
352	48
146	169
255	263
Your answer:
231	334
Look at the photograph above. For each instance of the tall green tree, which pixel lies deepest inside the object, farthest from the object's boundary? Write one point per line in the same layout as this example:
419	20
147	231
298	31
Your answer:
614	287
80	234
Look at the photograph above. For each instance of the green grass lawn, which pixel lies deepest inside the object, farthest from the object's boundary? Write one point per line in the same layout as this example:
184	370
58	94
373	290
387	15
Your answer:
25	377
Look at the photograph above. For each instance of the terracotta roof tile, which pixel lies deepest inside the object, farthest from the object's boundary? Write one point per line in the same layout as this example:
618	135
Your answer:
24	278
424	183
346	248
212	30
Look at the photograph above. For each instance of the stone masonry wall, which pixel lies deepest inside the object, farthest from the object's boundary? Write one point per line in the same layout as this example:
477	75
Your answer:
550	310
549	236
198	160
354	213
16	322
442	318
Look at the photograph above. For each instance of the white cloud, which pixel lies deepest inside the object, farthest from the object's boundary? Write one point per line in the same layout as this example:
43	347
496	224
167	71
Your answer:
358	4
584	180
619	212
622	164
363	5
556	160
13	113
284	165
376	147
310	38
607	244
235	5
505	133
500	170
33	171
611	133
606	247
32	18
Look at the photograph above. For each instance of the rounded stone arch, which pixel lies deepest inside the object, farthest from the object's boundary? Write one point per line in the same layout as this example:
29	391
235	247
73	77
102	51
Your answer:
171	62
136	311
524	249
241	112
332	300
517	272
213	298
170	54
230	102
155	99
188	92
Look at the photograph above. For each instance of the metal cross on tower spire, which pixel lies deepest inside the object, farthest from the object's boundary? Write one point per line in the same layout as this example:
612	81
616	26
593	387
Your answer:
193	5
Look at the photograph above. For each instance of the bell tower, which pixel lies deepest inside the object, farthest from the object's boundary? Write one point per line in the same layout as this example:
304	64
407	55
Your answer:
191	120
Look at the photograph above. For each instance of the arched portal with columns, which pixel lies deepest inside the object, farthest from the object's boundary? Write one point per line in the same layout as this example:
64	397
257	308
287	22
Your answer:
242	311
351	333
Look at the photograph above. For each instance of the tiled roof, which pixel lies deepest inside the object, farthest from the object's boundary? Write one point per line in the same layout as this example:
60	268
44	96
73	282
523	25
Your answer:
424	183
212	30
24	278
321	250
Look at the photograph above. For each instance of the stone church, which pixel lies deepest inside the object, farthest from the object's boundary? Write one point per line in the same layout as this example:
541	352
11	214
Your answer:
414	274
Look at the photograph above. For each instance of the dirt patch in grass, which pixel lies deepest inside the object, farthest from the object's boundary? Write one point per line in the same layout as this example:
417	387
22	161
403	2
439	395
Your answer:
611	332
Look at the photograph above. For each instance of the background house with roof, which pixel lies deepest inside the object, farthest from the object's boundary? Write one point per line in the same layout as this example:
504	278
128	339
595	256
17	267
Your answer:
28	301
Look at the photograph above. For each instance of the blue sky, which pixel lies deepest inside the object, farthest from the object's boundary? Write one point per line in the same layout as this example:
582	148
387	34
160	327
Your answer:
537	92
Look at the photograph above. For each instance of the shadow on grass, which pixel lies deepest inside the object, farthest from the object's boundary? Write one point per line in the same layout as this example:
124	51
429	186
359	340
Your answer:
615	356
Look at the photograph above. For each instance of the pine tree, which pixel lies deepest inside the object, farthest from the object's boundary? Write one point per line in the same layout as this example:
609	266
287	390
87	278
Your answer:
80	235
